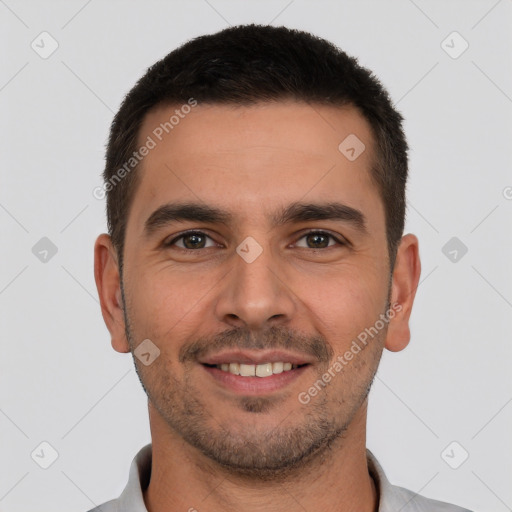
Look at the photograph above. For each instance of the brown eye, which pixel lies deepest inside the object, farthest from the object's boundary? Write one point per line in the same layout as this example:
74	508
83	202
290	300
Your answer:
190	241
319	240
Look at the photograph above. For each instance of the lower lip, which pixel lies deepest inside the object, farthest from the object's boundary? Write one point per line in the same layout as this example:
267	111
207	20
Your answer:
254	385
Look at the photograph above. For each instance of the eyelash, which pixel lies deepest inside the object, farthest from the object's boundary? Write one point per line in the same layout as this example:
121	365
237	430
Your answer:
201	233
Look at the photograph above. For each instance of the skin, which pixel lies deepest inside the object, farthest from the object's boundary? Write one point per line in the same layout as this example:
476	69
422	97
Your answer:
213	449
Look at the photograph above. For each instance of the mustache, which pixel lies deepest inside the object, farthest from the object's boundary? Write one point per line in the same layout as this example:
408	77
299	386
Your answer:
271	339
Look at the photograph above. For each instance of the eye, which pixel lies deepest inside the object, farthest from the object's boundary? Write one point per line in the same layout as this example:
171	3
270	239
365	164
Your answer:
193	240
190	241
319	239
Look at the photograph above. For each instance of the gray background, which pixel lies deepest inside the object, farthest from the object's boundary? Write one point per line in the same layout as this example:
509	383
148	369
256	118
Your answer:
61	382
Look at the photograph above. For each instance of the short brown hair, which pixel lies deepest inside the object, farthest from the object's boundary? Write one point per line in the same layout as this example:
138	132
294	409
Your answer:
246	64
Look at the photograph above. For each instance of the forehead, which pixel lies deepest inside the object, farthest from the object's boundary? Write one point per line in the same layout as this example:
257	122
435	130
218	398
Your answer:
248	159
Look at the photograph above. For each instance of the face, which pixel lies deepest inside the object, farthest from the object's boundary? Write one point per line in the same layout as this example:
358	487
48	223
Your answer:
254	244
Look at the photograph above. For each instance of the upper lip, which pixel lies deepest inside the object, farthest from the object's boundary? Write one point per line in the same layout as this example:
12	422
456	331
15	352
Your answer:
256	357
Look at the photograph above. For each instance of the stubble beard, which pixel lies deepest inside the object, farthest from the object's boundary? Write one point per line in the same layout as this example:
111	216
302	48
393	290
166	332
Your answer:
253	451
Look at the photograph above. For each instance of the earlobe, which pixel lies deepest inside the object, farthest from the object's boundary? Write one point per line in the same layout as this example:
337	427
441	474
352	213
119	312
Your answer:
406	275
106	274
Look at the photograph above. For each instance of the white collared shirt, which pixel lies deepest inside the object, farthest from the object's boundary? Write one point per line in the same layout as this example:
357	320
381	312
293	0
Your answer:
391	497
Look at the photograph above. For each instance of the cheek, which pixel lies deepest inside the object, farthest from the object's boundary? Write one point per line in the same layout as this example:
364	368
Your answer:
344	304
160	306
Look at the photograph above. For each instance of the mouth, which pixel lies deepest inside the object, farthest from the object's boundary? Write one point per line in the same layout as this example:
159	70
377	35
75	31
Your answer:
263	370
254	373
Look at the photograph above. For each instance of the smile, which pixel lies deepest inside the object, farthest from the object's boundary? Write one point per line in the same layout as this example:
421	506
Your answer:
256	370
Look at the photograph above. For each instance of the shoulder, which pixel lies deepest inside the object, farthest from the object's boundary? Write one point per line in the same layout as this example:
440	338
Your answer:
409	501
109	506
131	499
393	498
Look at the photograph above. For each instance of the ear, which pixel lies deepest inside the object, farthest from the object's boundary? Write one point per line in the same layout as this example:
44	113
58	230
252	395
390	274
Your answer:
108	283
406	275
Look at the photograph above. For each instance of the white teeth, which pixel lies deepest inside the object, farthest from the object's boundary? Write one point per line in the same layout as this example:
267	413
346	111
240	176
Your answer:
259	370
247	370
264	370
277	367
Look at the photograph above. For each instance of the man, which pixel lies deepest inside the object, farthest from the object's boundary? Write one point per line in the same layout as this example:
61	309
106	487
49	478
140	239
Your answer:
256	269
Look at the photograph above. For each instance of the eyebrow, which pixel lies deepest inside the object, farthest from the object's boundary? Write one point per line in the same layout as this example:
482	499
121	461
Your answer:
292	214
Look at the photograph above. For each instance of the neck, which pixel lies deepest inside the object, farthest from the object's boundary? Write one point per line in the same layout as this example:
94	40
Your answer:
182	478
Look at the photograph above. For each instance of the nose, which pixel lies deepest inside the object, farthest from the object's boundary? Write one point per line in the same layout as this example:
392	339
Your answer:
255	294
